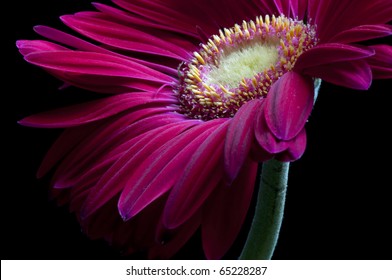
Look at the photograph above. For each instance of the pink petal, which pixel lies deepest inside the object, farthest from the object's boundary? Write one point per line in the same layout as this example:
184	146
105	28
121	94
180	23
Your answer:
69	40
373	12
208	15
225	212
92	111
362	33
88	63
199	178
239	138
381	62
283	6
106	84
265	138
83	45
26	46
269	8
141	23
298	8
327	16
330	53
99	72
288	105
123	37
296	148
346	14
118	176
90	167
158	12
160	171
102	140
352	74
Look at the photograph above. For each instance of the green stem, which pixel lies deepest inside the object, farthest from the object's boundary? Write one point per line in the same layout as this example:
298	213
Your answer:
265	227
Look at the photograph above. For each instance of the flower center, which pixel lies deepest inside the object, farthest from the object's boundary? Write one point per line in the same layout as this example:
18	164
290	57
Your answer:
239	65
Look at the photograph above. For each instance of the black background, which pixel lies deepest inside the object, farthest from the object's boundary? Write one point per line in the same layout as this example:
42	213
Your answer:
338	202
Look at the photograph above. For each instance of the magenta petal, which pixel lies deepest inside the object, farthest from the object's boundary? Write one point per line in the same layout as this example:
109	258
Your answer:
92	167
264	137
106	84
69	40
124	37
330	53
186	15
268	7
343	15
225	212
298	8
381	62
26	46
239	138
199	178
288	105
79	44
296	148
92	111
108	135
88	63
351	74
283	6
140	22
362	33
160	171
157	12
117	177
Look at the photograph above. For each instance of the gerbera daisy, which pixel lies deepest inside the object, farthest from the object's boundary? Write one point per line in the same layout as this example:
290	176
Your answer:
201	91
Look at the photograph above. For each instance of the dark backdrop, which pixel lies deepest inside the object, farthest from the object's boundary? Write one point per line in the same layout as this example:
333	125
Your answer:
338	201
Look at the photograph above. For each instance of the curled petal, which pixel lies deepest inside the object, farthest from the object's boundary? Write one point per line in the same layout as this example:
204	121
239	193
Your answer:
288	105
296	148
265	138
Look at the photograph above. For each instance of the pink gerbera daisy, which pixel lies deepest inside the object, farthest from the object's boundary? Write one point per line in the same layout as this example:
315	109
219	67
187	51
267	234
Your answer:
201	91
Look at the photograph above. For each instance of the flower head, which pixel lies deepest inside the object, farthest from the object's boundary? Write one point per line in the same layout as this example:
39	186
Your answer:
200	92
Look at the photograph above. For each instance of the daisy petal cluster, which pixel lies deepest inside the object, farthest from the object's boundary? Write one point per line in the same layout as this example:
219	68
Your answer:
193	95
